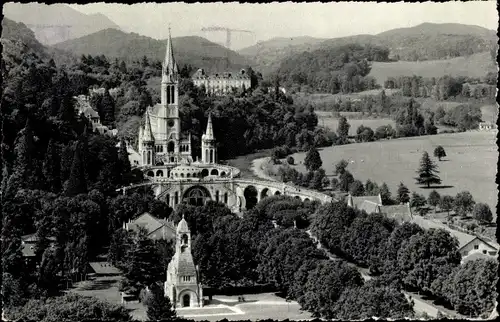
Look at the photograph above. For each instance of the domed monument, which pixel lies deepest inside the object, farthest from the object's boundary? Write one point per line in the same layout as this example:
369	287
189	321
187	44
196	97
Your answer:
183	285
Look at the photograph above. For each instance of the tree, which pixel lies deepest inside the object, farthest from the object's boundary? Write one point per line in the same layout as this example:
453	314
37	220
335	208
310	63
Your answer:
290	160
341	166
439	152
159	306
425	258
418	202
325	285
385	194
470	288
370	300
313	161
51	167
427	172
434	199
343	129
77	181
403	194
446	203
25	154
463	203
144	266
346	179
356	188
482	213
124	160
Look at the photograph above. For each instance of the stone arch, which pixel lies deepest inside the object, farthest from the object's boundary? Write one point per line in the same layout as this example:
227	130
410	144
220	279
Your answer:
204	172
223	174
188	175
182	175
264	193
196	196
159	173
214	172
170	147
307	200
297	197
277	193
250	194
150	174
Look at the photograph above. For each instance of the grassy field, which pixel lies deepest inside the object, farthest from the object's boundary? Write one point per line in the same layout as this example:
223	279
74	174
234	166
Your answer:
470	164
477	65
330	98
333	123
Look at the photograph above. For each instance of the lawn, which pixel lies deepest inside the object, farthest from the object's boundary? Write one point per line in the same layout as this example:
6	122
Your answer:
470	164
477	65
333	123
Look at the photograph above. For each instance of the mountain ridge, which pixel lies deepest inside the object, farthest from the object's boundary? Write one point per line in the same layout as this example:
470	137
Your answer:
193	50
55	23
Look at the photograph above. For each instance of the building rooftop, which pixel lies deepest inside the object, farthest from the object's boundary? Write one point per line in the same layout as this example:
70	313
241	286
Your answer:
149	222
401	213
104	268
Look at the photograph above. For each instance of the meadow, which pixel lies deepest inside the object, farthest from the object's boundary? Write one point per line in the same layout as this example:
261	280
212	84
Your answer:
477	65
325	119
471	163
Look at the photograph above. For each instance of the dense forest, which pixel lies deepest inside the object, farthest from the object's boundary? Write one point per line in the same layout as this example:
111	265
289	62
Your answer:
342	69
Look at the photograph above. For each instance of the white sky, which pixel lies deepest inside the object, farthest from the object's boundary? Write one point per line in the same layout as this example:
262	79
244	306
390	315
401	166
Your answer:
322	20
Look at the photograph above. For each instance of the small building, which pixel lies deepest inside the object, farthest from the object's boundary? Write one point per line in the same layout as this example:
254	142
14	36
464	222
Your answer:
29	248
183	285
373	204
487	126
83	107
470	246
157	228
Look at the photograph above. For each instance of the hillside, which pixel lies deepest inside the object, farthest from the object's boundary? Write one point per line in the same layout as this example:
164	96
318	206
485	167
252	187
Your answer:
426	41
56	23
17	38
267	54
476	65
193	50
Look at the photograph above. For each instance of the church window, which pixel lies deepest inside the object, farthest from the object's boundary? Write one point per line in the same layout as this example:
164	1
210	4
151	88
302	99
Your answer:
196	197
176	198
172	94
217	196
168	94
211	156
167	197
225	198
170	147
184	239
149	157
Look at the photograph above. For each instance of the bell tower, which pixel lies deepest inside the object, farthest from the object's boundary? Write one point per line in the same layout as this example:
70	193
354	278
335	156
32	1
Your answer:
208	150
169	122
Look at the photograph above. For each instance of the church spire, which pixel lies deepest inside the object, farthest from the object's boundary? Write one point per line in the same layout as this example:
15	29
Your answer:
148	133
210	131
169	64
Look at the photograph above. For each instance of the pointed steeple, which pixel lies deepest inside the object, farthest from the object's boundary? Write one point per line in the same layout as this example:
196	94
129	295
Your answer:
169	64
148	133
209	134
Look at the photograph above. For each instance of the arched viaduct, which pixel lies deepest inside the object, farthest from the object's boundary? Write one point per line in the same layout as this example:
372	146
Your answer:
237	193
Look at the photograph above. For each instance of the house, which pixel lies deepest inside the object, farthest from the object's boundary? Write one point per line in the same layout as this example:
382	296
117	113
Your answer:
373	204
103	269
83	108
29	248
157	228
470	246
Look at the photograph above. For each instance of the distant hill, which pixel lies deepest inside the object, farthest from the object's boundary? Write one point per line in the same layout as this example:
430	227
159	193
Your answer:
17	38
57	22
268	54
426	41
193	50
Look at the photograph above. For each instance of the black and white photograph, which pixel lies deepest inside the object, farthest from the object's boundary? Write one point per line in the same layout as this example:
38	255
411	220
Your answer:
249	161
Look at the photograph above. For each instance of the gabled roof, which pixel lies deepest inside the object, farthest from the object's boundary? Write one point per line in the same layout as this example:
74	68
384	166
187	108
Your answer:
369	206
149	222
357	201
32	238
184	264
401	213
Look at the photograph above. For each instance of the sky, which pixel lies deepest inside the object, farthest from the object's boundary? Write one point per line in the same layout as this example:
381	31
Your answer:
288	19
